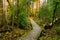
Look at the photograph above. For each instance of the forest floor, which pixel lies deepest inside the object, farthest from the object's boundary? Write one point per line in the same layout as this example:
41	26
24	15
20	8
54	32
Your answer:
16	33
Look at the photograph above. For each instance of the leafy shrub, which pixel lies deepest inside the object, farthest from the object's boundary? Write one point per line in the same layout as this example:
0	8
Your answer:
22	19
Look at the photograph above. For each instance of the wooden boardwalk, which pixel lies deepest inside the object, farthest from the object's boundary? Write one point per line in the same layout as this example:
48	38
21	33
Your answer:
34	33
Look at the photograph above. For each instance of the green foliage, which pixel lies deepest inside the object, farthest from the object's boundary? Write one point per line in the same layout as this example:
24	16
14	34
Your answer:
46	11
45	14
12	10
19	13
22	19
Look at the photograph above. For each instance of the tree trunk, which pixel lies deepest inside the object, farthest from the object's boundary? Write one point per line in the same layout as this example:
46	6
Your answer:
4	13
1	11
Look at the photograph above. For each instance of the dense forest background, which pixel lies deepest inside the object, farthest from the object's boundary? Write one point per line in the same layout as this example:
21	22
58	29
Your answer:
15	18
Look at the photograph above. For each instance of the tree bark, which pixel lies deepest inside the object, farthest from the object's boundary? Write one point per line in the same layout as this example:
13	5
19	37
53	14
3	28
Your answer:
1	11
4	13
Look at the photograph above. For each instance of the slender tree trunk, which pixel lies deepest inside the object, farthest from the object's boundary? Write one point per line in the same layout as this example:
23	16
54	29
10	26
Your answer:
13	16
4	13
17	4
1	11
54	13
12	11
